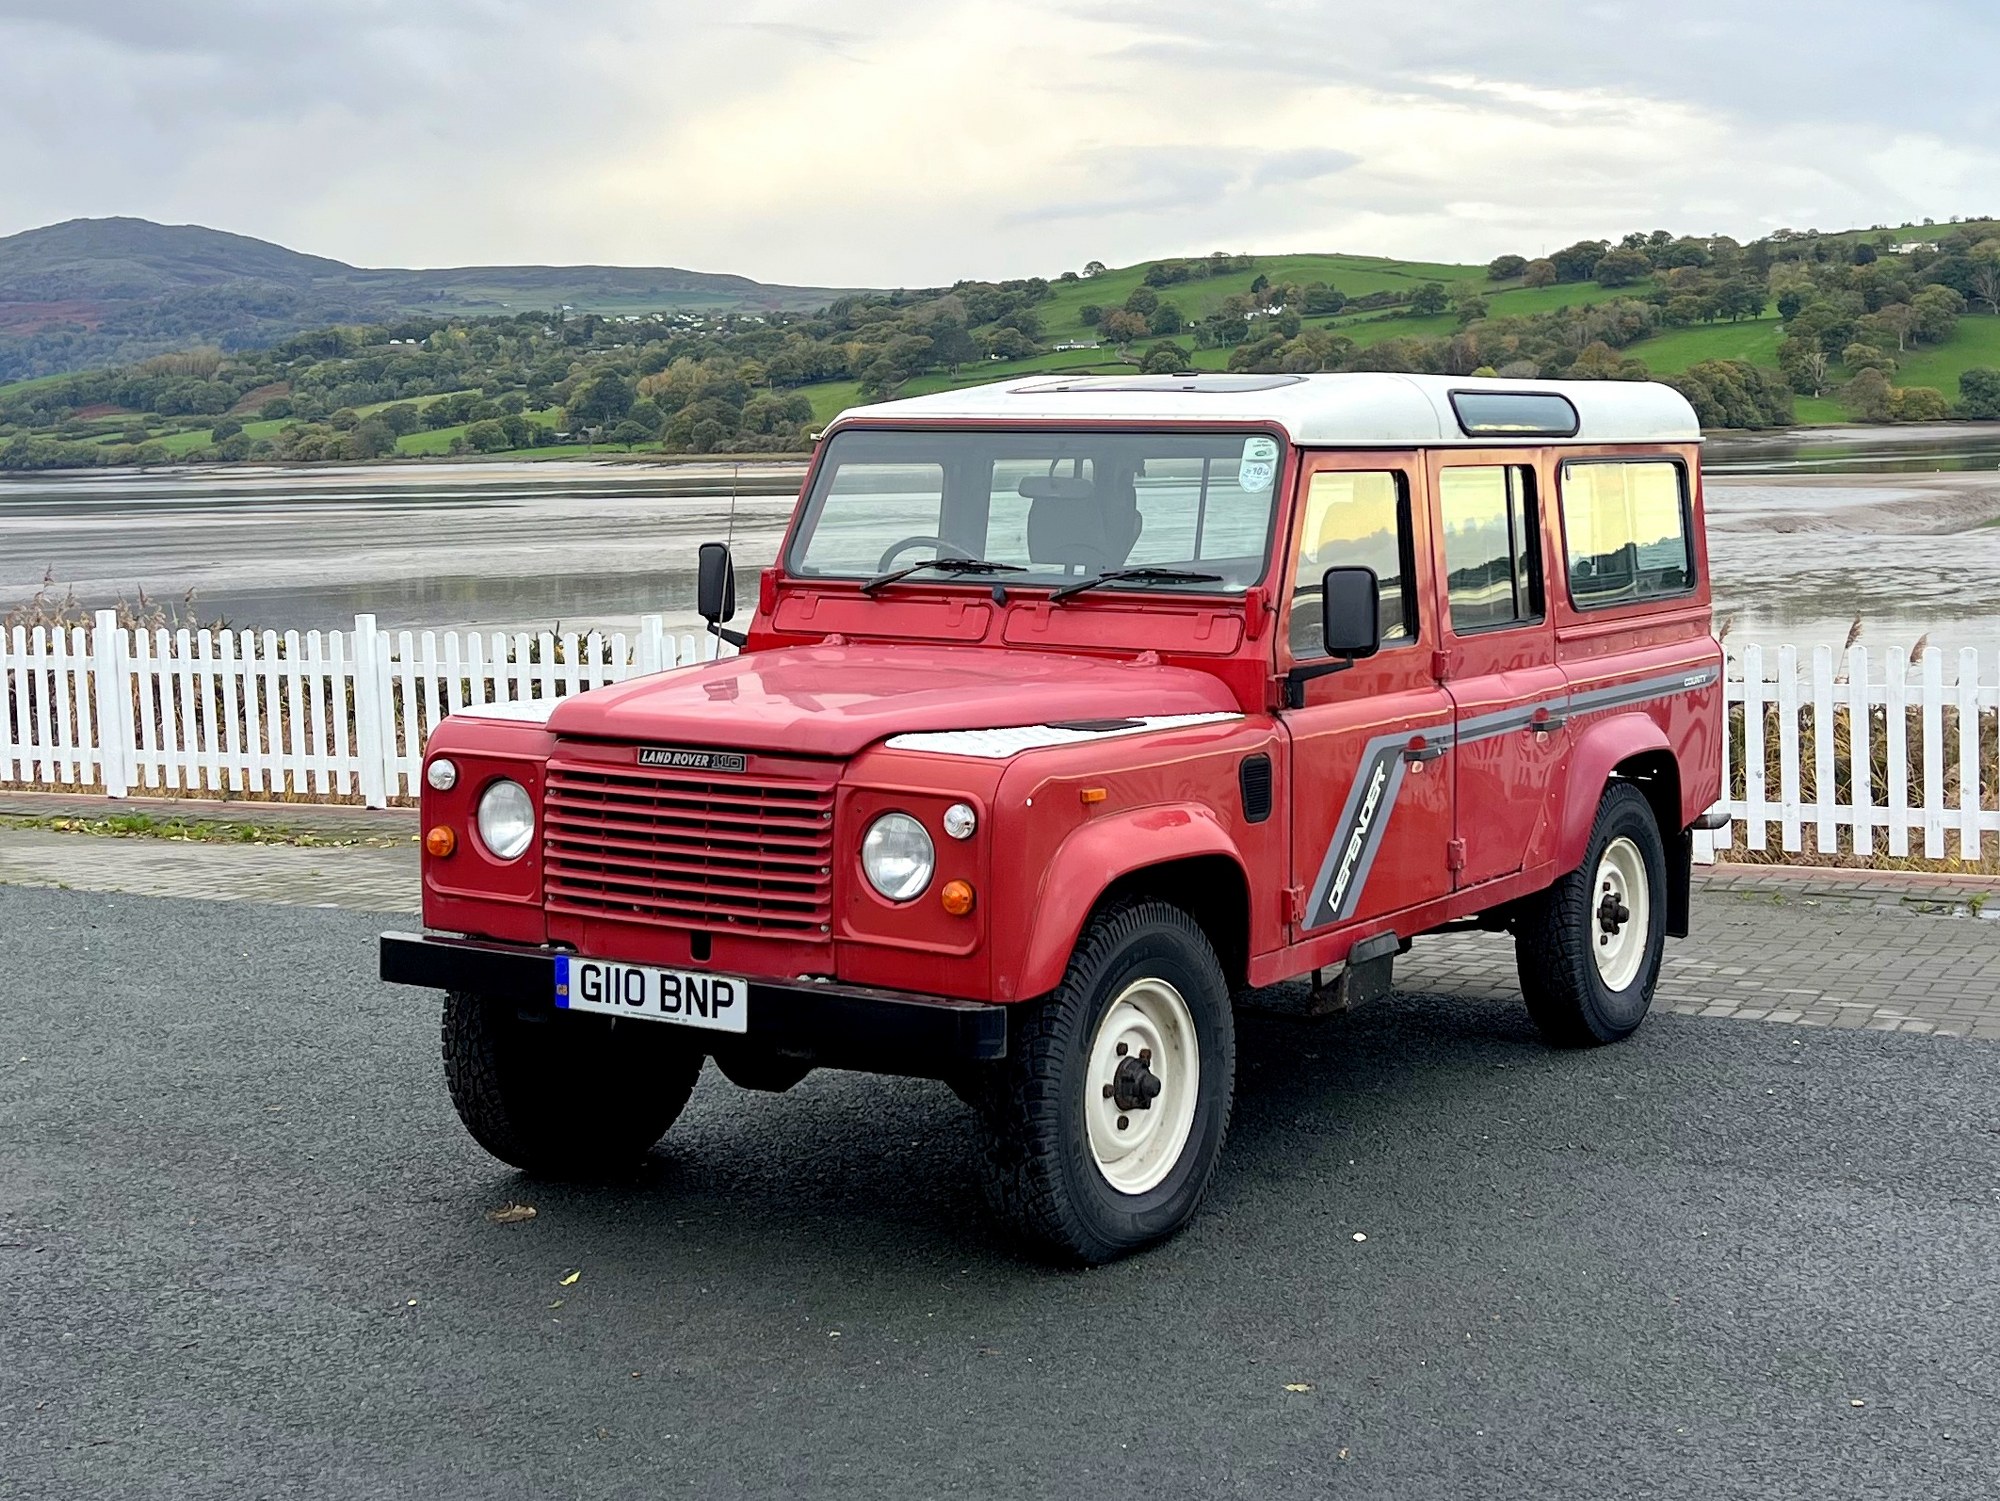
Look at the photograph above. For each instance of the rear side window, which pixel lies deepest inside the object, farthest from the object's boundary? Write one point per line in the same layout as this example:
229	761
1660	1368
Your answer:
1355	518
1625	527
1491	553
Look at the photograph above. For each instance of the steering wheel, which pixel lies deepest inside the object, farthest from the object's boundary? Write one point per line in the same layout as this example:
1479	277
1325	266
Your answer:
888	560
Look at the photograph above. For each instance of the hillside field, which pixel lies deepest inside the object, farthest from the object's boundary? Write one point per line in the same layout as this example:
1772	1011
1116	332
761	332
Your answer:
1976	341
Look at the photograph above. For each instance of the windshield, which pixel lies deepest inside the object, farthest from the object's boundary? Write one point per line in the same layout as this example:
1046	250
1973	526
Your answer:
1056	506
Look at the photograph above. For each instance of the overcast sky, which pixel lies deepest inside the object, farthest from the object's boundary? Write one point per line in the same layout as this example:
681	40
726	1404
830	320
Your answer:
916	141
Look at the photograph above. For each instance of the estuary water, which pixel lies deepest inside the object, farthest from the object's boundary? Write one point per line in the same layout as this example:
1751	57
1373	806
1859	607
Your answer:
1899	527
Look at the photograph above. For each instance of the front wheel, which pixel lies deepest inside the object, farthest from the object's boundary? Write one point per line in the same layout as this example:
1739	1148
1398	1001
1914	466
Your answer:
1588	949
1104	1124
564	1096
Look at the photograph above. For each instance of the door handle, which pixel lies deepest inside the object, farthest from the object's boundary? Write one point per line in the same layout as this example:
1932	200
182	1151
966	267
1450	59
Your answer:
1546	723
1421	750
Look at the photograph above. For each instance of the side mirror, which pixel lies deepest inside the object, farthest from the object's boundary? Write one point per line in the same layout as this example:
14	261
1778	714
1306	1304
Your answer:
1350	612
715	583
715	589
1350	625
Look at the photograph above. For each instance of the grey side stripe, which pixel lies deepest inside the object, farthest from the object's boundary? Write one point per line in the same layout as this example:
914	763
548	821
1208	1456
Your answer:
1357	836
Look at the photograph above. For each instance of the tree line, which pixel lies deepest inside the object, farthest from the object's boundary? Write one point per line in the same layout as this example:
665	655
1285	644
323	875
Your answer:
1853	308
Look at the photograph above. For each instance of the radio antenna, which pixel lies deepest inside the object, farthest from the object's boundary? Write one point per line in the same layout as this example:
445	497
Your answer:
729	535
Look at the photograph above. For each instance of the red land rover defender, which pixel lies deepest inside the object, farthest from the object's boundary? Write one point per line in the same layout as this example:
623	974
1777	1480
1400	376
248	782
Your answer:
1073	711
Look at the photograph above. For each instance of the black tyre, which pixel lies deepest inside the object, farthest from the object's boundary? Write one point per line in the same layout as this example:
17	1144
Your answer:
1103	1125
561	1095
1588	949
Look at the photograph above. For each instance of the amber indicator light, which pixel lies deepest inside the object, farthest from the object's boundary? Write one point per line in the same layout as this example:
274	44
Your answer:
1092	795
956	897
440	842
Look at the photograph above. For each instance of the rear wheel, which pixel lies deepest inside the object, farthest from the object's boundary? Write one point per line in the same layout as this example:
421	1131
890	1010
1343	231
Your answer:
564	1096
1588	949
1105	1122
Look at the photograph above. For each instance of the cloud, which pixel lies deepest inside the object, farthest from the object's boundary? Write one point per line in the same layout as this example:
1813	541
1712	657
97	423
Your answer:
1179	179
853	142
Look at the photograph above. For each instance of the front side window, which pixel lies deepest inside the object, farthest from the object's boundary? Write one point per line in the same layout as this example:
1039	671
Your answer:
1625	529
1355	518
1056	506
1491	555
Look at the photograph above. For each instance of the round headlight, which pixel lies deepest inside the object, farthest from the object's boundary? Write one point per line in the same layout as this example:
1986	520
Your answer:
506	820
960	820
442	774
897	857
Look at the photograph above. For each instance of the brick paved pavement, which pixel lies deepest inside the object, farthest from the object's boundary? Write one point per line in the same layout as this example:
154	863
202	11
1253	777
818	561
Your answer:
370	879
1804	947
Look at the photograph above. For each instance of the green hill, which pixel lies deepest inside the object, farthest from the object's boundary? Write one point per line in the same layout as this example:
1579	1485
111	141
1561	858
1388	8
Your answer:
95	292
1667	319
1878	325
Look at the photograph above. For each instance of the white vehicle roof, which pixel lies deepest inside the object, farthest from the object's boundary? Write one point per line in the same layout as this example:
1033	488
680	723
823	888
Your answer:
1364	410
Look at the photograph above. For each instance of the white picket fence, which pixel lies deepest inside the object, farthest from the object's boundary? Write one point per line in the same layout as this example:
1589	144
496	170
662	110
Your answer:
329	716
343	715
1873	752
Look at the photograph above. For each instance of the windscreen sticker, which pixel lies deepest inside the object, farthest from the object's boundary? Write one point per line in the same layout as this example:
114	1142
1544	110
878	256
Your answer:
1259	465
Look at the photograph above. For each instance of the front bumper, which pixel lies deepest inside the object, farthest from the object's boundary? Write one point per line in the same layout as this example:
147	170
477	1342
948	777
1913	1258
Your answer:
834	1026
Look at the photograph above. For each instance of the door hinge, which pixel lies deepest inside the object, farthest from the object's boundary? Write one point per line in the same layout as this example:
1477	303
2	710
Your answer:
1295	904
1454	854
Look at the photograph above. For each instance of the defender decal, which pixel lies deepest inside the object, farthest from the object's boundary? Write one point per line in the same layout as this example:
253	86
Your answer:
1357	835
1364	826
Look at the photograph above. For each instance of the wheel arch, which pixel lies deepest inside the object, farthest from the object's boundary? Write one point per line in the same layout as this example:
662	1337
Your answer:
1180	855
1631	748
1212	889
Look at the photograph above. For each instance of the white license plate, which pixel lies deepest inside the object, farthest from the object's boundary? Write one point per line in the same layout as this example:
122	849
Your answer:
694	999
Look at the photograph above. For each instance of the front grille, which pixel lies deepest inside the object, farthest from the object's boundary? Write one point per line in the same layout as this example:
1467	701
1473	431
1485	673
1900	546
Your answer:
728	853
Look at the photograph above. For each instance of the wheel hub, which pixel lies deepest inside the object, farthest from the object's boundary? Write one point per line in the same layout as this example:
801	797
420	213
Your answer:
1144	1076
1612	914
1134	1086
1620	922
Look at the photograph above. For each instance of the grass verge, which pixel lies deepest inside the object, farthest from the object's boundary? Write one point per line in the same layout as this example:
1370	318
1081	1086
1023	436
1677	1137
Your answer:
194	831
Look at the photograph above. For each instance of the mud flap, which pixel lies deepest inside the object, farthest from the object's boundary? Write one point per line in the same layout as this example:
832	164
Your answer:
1366	976
1680	878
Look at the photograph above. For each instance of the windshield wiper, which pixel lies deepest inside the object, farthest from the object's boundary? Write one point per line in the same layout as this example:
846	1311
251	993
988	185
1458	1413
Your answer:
940	565
1140	575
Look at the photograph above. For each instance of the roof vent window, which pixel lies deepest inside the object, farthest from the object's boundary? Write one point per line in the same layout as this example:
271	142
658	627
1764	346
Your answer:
1514	414
1158	385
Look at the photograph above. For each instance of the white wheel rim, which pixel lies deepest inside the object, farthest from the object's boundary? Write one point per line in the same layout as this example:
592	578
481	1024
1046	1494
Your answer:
1149	1030
1621	914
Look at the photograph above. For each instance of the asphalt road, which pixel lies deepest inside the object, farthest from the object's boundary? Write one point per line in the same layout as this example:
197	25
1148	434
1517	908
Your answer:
244	1252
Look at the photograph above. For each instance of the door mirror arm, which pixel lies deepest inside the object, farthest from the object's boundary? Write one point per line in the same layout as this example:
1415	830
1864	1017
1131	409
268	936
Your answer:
1298	677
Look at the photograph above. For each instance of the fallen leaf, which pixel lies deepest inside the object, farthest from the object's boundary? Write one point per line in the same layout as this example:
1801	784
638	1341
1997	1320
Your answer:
570	1280
511	1214
557	1304
1298	1386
